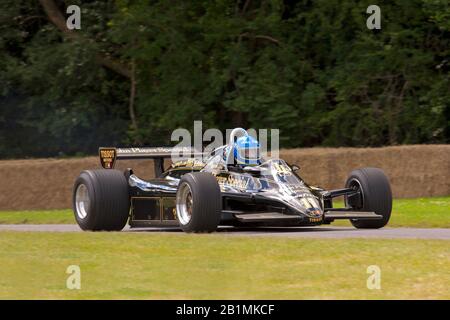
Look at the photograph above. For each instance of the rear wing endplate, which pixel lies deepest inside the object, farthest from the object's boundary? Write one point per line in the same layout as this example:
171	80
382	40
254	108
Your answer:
108	156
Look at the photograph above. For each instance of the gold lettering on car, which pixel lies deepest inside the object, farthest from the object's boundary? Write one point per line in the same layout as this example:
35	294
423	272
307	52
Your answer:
107	157
282	169
234	181
188	163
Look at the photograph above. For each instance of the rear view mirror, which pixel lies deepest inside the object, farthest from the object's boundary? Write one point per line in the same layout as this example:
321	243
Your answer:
295	167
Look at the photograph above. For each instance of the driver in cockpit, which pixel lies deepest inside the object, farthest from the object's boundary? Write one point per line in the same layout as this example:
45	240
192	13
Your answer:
245	152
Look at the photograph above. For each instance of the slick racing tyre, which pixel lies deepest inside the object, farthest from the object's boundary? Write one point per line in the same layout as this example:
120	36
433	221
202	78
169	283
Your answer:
375	195
100	200
198	202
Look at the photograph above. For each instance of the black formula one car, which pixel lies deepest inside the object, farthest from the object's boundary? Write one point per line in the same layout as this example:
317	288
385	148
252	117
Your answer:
202	192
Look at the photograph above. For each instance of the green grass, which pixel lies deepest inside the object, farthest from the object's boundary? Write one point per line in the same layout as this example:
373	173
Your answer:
186	266
37	217
418	213
421	212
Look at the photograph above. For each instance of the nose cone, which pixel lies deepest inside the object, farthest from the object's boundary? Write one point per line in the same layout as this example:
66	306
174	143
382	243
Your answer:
308	205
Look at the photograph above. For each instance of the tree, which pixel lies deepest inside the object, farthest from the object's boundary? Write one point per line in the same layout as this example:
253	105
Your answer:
139	69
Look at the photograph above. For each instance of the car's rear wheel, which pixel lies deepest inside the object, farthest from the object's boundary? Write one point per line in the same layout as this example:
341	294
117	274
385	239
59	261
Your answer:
374	194
198	202
100	200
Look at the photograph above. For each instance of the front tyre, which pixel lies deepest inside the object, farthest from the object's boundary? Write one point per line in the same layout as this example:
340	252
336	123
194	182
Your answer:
375	195
198	202
100	200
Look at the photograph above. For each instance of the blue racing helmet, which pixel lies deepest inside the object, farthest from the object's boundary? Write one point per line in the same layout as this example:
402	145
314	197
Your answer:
246	151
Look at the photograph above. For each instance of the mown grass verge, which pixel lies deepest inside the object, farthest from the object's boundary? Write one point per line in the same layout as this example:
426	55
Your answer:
186	266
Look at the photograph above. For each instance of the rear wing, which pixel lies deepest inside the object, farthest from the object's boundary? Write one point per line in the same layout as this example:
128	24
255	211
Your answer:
108	156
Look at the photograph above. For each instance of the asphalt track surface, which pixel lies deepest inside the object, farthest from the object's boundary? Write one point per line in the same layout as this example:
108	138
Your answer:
292	232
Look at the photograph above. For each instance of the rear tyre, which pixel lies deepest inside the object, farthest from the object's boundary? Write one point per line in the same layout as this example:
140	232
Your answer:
375	195
100	200
198	202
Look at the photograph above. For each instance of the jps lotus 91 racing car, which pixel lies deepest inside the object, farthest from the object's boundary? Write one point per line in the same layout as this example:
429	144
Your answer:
232	185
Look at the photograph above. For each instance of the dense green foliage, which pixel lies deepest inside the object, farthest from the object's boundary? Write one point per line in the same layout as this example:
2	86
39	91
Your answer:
310	68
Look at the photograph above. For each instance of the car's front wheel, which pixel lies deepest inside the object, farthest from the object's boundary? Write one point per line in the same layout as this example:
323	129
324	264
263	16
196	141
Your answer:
374	194
198	202
100	200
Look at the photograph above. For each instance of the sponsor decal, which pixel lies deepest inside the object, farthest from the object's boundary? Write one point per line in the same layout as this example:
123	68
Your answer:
107	157
234	181
145	150
282	169
305	195
188	163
